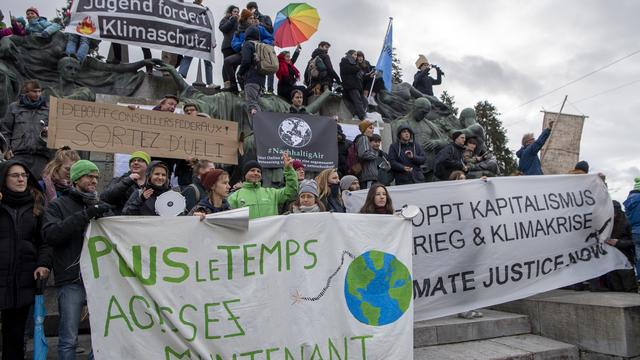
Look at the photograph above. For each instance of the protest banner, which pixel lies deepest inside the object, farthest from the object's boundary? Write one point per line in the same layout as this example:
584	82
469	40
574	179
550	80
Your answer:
477	243
169	25
308	138
301	286
561	152
109	128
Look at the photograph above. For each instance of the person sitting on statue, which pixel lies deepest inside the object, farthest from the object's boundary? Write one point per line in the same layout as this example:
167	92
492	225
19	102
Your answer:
17	27
371	82
422	81
120	188
352	81
449	158
319	73
479	165
529	162
77	46
38	25
406	158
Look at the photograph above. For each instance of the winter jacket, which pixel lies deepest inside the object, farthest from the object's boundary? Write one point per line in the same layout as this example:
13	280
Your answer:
330	73
293	110
622	231
351	74
40	25
632	208
205	206
23	128
22	248
367	157
424	83
248	67
264	20
385	175
239	38
399	159
265	201
119	191
343	146
333	201
448	160
287	72
137	204
529	162
194	193
228	26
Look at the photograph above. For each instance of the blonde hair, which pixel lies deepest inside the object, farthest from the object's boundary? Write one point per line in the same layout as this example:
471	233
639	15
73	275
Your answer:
62	155
323	182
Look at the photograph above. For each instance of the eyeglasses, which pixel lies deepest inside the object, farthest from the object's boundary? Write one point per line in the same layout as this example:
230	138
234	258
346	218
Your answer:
18	175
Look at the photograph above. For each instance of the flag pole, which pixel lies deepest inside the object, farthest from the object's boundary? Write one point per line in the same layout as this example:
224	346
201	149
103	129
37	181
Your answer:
375	76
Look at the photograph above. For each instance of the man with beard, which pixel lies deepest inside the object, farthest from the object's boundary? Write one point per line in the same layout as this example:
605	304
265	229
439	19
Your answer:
120	189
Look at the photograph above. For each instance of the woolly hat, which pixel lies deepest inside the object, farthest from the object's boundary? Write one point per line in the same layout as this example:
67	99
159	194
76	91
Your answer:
636	185
364	125
456	134
308	186
210	178
140	155
81	168
34	9
346	181
421	60
297	164
582	165
250	165
245	15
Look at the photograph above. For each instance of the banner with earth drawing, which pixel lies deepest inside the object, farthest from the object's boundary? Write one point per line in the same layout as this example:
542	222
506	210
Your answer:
302	286
308	138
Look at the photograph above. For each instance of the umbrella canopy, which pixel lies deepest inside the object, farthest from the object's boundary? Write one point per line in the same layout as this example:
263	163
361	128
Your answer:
295	24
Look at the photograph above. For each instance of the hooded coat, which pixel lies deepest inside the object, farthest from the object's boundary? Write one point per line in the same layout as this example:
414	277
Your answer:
448	160
248	67
399	159
529	162
137	204
22	248
351	74
40	25
424	83
22	127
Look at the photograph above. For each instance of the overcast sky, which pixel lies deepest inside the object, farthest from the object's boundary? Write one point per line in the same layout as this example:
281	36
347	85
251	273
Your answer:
507	52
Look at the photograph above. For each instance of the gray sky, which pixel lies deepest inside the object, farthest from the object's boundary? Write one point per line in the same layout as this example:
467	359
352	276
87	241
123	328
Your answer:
504	51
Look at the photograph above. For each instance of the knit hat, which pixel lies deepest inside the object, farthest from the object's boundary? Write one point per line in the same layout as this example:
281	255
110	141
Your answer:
297	164
81	168
421	60
636	185
140	155
34	9
346	181
456	134
250	165
364	125
582	165
308	186
210	178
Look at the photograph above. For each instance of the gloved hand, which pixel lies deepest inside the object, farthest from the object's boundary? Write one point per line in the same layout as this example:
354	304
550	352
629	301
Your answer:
97	211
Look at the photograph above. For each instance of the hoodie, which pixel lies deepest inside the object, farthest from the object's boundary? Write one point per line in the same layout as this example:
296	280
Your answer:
398	159
248	67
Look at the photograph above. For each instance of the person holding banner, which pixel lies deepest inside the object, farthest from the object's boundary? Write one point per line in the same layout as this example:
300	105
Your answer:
143	201
378	201
307	201
328	183
449	159
120	189
216	182
264	201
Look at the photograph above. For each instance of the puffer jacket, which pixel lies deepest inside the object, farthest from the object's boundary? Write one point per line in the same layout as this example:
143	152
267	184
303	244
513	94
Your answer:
239	38
632	208
398	159
265	201
22	127
41	24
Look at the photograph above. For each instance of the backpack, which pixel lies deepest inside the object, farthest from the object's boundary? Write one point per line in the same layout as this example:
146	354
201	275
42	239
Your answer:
316	67
353	163
265	58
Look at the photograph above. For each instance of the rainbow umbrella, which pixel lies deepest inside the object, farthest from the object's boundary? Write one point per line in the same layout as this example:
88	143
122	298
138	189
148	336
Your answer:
295	24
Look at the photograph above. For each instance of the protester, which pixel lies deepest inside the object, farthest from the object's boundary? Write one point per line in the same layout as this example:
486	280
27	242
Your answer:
121	188
343	149
17	27
529	162
366	155
632	208
65	222
478	164
216	183
349	183
287	74
297	100
265	22
457	175
298	166
38	25
385	176
143	201
623	280
24	257
450	158
422	81
329	194
307	201
185	63
196	191
406	158
232	61
25	126
228	26
352	76
319	74
253	79
77	46
168	104
581	168
190	109
264	201
370	81
378	201
55	176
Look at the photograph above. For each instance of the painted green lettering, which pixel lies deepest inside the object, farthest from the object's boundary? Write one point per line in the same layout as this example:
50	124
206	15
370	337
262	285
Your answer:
137	264
269	351
168	351
175	264
316	350
291	252
198	278
229	249
208	320
252	353
247	258
364	347
334	350
114	302
187	323
233	318
160	310
213	269
95	253
310	253
288	355
134	317
265	249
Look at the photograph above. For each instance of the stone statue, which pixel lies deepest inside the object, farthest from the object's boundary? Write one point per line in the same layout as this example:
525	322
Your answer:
399	102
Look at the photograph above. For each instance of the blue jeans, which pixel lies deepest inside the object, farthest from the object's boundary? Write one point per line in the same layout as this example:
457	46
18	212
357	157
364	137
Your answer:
636	240
79	51
183	69
71	299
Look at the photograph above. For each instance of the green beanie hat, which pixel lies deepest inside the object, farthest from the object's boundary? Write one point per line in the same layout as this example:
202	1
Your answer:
81	168
636	185
140	155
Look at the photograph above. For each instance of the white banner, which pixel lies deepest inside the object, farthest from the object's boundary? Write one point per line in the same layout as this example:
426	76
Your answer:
478	243
169	25
303	286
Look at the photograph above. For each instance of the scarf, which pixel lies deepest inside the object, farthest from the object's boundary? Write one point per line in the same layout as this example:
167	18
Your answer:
32	105
381	210
16	199
305	209
88	199
54	188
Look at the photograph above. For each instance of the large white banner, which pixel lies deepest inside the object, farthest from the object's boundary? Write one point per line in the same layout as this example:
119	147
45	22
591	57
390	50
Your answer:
478	243
303	286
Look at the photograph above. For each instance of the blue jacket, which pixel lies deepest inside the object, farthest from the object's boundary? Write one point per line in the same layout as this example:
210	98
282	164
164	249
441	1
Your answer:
238	39
40	25
529	162
632	208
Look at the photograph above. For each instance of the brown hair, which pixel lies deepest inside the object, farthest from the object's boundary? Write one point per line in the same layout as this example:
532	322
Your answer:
29	85
369	206
197	164
457	175
38	202
62	155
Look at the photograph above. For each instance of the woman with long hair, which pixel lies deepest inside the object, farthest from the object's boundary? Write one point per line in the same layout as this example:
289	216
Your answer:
329	190
216	183
55	176
378	201
143	201
24	257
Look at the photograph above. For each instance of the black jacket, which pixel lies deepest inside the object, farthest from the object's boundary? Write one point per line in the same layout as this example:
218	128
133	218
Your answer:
351	74
22	127
248	67
119	191
22	249
137	204
194	193
622	231
399	159
343	147
228	25
448	160
331	74
424	83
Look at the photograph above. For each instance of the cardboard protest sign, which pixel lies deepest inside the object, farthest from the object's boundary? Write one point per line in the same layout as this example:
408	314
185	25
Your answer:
308	138
301	286
477	243
109	128
561	152
170	25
